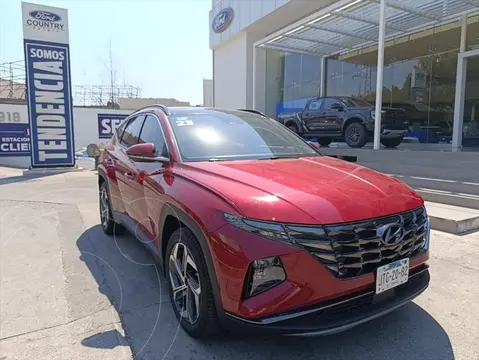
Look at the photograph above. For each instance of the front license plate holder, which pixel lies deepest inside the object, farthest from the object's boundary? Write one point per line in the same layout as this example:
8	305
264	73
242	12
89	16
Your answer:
392	275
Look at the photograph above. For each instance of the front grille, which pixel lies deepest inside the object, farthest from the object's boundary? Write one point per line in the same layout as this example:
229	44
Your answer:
394	116
355	249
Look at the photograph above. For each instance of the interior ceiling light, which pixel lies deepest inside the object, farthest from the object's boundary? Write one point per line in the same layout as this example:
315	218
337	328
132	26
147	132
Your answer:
275	39
348	5
320	18
294	30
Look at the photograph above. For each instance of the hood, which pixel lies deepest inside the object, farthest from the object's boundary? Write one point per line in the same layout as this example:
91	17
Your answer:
309	190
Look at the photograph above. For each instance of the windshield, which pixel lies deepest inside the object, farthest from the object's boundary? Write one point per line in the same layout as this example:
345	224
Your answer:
352	102
234	135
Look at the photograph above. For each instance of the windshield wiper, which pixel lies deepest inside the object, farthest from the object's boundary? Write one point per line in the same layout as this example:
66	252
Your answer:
279	157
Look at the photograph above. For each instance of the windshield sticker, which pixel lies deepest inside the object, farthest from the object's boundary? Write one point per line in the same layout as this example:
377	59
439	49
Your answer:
184	122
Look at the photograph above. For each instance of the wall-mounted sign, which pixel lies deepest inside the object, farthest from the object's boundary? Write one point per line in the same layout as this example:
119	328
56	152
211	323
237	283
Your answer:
108	123
14	139
47	58
222	20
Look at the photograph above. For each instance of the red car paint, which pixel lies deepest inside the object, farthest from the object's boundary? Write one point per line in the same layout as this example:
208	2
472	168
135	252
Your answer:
310	190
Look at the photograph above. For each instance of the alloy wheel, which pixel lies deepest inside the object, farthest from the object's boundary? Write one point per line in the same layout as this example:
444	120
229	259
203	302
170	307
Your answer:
185	283
354	134
104	208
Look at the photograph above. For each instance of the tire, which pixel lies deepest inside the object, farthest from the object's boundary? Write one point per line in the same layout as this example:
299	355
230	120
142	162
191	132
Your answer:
293	128
393	142
202	322
108	225
325	141
356	135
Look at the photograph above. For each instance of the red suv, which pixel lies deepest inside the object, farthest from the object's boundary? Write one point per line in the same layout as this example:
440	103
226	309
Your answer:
255	229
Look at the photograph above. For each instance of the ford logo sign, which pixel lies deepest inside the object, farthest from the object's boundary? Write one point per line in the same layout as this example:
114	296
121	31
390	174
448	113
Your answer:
222	20
45	15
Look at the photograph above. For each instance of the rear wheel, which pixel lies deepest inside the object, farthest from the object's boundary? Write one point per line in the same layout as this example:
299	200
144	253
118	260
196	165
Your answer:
325	141
393	142
190	288
356	135
106	217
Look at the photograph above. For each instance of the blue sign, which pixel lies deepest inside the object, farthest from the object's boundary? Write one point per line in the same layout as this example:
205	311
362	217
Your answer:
108	123
14	139
50	103
222	20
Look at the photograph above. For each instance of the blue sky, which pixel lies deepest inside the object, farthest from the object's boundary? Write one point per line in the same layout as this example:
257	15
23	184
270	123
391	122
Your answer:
161	46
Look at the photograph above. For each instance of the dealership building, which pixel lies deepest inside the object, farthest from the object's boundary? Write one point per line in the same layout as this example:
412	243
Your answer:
423	55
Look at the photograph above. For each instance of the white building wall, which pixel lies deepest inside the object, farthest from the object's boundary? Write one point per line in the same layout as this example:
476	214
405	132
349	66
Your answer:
230	72
208	92
246	12
237	67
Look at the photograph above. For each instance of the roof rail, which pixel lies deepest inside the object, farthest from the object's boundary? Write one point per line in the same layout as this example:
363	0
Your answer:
163	108
253	111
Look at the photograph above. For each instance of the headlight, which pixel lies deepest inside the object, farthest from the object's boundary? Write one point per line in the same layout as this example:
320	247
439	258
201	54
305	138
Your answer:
267	230
264	274
373	114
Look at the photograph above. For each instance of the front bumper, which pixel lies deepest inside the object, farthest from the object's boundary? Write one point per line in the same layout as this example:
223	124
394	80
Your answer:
339	314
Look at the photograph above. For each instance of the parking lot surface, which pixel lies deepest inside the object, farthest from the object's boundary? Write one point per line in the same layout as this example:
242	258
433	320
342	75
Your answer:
70	292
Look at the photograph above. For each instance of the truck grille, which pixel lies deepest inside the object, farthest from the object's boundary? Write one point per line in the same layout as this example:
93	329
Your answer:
394	116
355	249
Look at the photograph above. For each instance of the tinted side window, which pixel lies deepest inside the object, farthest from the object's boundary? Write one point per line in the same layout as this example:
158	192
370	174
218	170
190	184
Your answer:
132	131
152	133
328	102
315	105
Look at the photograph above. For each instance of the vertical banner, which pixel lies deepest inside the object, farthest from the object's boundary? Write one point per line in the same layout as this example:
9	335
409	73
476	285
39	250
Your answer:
50	108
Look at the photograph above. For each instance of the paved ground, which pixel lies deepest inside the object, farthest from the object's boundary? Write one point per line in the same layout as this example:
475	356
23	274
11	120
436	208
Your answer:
69	292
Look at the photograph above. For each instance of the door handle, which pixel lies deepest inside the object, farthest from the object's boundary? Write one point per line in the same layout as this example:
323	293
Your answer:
109	162
129	175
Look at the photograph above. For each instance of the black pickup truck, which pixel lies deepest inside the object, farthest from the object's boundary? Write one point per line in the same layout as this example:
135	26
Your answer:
348	118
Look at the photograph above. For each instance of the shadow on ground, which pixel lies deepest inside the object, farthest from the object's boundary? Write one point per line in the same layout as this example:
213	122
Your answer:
126	274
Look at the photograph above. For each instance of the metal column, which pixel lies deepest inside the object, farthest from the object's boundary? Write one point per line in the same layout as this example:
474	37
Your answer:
379	80
322	89
460	89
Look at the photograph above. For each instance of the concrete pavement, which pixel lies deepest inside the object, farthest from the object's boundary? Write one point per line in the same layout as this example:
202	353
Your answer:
70	292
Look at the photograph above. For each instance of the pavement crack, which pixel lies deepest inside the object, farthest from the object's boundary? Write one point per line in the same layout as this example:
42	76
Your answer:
54	326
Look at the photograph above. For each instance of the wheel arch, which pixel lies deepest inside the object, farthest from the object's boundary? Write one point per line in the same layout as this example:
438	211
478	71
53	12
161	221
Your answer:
353	119
173	218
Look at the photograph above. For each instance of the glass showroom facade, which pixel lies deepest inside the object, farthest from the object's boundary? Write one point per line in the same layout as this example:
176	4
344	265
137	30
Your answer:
419	77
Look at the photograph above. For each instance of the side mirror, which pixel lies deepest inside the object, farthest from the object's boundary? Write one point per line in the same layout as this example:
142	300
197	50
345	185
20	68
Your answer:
142	150
145	152
337	106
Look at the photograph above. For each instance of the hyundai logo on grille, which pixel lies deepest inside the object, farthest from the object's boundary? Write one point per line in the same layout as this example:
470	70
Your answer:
391	234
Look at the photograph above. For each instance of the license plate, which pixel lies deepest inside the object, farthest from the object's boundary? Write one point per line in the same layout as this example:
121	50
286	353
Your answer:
392	275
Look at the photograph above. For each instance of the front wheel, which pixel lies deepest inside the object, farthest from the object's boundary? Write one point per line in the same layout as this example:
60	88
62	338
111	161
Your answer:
393	142
356	135
190	287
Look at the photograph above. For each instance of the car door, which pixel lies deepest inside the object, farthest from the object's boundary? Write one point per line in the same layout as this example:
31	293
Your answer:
332	112
113	151
125	170
148	210
311	114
